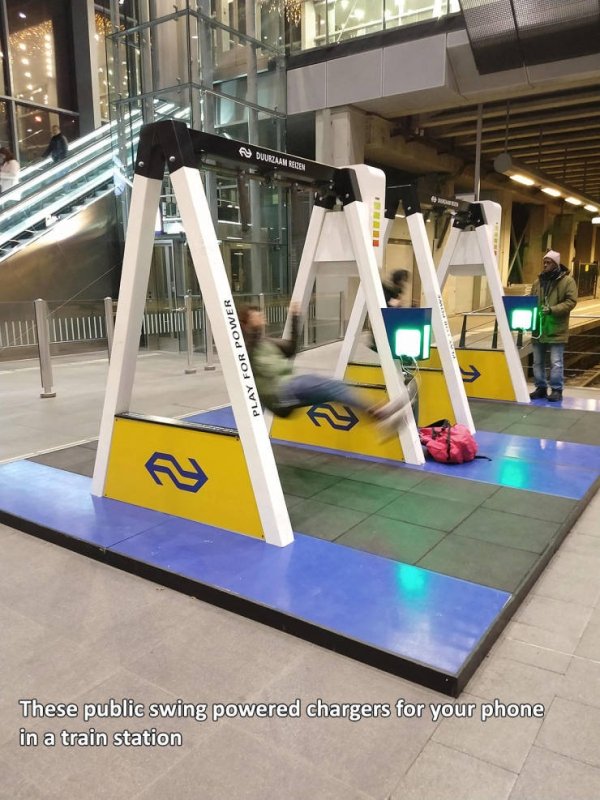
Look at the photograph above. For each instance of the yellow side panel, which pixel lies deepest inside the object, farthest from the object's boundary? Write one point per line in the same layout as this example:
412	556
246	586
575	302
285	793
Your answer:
337	428
485	373
225	499
434	400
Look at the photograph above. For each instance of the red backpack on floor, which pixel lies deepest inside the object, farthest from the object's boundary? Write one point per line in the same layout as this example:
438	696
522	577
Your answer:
450	444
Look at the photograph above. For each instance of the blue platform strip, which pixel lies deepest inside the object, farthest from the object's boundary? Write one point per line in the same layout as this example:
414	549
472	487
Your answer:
418	617
570	403
562	469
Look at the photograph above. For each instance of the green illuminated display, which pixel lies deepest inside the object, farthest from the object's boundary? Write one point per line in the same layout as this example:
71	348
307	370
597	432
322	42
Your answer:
413	342
523	319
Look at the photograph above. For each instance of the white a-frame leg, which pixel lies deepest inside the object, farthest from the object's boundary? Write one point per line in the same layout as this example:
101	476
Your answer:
470	252
212	277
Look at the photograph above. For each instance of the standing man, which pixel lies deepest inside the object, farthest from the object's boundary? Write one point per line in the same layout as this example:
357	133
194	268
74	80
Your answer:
557	297
58	146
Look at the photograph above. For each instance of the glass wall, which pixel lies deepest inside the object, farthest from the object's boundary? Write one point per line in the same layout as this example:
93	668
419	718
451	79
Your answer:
37	79
219	66
324	22
3	68
34	129
103	28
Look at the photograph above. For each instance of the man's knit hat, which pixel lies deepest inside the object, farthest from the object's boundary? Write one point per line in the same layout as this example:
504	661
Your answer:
554	256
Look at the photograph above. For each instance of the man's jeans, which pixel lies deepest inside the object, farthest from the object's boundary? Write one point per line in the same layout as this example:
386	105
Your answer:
556	352
308	390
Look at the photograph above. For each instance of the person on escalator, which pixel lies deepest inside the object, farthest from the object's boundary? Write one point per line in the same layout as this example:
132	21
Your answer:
9	169
58	146
280	390
556	291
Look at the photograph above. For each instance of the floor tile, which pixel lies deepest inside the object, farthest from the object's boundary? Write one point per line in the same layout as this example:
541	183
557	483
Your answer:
561	586
75	459
528	429
15	785
589	521
357	495
555	616
480	562
589	644
441	515
303	482
514	682
527	653
217	769
442	773
293	456
445	488
336	465
531	504
562	642
392	477
502	741
572	729
192	658
401	541
550	421
549	776
370	754
507	530
582	682
323	520
581	543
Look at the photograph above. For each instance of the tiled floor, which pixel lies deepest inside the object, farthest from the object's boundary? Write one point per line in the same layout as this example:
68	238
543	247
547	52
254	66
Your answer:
75	630
476	531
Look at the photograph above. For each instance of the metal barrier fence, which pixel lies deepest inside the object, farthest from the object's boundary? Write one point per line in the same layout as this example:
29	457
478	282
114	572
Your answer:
582	352
86	321
90	323
185	328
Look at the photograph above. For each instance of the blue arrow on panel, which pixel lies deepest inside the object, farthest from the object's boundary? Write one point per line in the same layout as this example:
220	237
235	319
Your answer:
470	377
168	465
341	422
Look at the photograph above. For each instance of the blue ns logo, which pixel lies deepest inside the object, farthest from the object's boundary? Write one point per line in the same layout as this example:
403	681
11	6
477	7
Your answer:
186	480
328	413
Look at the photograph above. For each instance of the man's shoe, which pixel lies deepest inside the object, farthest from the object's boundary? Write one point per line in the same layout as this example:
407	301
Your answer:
555	396
539	394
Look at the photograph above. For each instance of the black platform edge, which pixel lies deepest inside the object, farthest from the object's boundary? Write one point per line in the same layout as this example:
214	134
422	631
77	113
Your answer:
359	651
523	589
202	427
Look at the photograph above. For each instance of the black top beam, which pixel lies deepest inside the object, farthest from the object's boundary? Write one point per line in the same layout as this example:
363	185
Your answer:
229	152
172	144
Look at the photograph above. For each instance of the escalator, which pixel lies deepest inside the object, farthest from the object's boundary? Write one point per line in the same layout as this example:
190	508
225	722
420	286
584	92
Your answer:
48	193
60	234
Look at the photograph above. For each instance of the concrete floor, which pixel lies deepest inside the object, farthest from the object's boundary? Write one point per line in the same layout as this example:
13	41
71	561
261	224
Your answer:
76	631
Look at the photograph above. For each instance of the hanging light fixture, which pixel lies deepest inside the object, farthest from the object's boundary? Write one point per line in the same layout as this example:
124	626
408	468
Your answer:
291	8
528	176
